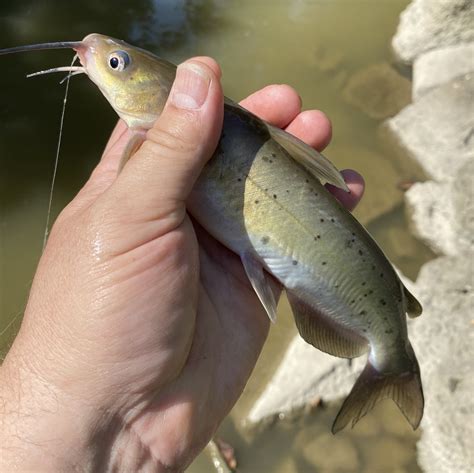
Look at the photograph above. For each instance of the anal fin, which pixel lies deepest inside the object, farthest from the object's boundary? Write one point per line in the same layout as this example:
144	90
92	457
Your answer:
319	331
261	285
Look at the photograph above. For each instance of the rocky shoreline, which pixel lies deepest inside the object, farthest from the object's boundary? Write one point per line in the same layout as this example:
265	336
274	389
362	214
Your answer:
437	131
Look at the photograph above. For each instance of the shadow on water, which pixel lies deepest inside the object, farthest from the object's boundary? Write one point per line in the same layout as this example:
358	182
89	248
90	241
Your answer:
314	46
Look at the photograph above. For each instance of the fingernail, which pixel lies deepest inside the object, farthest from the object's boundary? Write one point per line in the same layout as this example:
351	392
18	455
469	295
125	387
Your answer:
191	86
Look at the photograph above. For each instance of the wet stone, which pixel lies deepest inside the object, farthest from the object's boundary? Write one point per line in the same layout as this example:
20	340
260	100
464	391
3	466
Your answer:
286	466
385	454
329	452
378	90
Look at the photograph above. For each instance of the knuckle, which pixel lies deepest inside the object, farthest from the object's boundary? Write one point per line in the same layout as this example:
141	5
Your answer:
170	139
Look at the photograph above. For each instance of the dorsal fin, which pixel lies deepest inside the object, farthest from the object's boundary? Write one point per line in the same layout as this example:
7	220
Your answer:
412	306
314	162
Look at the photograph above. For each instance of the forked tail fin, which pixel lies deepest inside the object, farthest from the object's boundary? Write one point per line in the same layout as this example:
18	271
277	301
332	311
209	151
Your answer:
371	386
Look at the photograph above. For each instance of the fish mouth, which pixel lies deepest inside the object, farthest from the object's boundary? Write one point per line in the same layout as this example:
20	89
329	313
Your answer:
81	51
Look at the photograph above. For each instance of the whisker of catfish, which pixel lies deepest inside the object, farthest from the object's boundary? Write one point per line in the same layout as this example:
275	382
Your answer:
58	69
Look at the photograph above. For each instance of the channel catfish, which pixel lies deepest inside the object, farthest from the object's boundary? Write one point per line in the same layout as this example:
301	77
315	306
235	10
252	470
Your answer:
262	195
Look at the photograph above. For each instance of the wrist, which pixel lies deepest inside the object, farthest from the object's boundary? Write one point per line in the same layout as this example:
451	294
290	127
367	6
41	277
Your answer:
44	429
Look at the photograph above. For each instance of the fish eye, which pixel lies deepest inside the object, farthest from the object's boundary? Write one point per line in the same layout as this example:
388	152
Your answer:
119	60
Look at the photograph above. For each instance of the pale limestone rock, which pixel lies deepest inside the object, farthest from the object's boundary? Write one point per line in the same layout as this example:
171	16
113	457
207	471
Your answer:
443	340
440	66
430	24
437	131
442	214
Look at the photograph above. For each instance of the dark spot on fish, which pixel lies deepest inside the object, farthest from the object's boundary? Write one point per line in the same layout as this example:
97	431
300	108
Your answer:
364	330
353	301
318	237
371	292
239	179
364	283
321	220
381	275
287	191
353	234
385	318
362	312
353	240
274	196
361	252
266	190
389	330
265	158
324	263
382	301
270	160
294	262
332	220
306	180
373	266
365	295
316	194
257	201
265	240
274	155
336	285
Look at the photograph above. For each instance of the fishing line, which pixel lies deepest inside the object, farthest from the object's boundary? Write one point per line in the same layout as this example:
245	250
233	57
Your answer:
58	149
72	72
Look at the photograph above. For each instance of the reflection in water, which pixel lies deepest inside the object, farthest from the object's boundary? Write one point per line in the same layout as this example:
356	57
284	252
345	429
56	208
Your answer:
314	46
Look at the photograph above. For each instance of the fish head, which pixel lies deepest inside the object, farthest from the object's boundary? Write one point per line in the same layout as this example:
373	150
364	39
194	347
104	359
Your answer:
134	81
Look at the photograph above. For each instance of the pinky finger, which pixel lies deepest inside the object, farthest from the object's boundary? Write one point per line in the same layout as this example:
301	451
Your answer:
356	185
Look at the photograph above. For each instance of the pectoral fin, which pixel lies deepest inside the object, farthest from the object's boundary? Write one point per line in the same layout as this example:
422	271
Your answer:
314	162
261	285
137	137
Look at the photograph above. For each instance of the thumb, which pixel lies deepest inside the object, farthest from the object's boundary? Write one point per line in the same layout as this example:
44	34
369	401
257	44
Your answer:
157	180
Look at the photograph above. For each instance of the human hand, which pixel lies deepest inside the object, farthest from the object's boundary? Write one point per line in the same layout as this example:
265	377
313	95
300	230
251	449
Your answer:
141	330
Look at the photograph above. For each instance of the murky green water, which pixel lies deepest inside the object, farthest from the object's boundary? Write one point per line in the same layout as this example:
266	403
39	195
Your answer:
316	46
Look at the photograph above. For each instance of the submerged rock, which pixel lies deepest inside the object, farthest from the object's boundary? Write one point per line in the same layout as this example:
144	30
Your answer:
327	454
430	24
440	66
385	454
437	131
303	375
378	90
